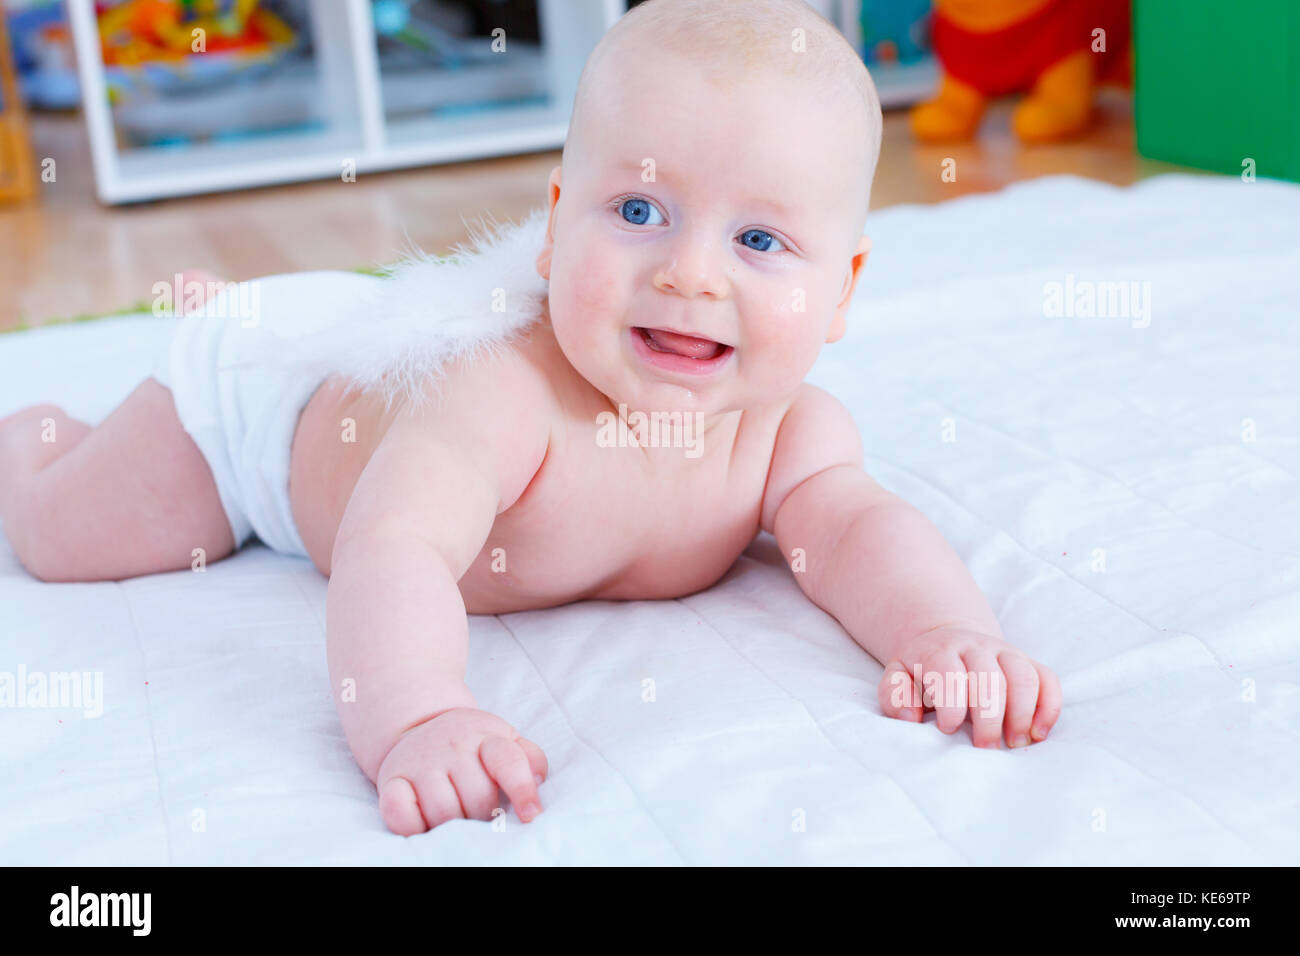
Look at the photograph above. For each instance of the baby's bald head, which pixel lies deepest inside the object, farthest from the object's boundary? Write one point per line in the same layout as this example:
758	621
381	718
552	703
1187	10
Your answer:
714	188
739	45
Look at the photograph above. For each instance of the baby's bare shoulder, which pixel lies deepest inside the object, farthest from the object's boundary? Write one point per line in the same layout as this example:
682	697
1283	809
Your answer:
493	407
817	433
486	388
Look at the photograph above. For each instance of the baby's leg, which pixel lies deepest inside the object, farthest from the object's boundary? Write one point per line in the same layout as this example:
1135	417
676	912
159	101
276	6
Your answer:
133	496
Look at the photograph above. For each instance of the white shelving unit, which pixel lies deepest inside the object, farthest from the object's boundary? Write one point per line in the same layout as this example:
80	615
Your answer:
350	114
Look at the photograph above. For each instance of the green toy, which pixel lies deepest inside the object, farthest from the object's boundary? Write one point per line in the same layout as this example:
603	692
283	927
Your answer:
1218	85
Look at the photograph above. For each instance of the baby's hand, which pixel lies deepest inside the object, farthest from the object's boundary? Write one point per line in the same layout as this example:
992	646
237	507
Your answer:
450	767
952	670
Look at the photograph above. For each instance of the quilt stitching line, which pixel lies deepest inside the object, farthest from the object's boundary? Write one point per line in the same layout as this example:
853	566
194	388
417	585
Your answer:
148	708
1250	452
1160	783
577	736
1111	601
885	301
1202	436
822	730
1133	491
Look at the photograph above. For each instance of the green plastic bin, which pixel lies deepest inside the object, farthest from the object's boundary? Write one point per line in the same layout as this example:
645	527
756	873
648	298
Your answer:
1218	83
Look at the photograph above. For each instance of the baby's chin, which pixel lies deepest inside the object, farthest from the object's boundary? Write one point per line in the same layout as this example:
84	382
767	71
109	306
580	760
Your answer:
626	388
671	398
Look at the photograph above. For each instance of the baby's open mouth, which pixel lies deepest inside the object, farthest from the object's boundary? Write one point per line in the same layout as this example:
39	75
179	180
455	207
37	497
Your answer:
675	343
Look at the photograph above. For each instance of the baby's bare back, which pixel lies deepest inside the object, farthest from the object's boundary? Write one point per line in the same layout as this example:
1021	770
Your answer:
601	518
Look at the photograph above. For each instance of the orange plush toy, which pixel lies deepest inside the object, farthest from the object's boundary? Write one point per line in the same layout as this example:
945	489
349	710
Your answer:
1052	48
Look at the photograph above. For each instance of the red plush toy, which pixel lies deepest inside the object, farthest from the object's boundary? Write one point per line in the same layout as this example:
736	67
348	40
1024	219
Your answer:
1058	50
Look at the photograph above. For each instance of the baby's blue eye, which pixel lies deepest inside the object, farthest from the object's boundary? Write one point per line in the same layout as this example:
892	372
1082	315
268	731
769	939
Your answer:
761	241
638	212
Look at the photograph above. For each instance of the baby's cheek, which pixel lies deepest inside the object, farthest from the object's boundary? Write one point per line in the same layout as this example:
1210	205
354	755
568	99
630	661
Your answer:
582	289
776	370
584	304
791	340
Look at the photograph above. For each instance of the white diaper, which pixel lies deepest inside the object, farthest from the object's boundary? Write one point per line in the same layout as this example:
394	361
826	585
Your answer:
240	401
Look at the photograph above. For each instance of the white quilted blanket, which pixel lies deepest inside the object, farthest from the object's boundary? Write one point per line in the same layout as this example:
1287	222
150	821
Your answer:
1124	487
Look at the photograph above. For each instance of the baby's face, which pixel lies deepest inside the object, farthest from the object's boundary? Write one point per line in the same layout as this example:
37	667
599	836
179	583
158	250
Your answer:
705	242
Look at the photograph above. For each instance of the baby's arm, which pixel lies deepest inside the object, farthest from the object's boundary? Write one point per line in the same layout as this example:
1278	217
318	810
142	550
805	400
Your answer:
396	625
889	577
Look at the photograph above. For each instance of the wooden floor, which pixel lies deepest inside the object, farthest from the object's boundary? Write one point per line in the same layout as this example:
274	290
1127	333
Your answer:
67	255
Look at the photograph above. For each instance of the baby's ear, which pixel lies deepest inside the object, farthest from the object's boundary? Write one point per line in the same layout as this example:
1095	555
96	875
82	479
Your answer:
836	331
548	243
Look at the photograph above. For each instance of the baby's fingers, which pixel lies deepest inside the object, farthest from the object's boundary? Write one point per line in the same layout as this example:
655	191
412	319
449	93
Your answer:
944	689
536	759
507	763
1022	696
410	808
897	693
475	787
399	808
1049	702
988	698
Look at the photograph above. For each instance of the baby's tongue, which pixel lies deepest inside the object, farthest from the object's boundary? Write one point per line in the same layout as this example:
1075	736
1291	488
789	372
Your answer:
687	345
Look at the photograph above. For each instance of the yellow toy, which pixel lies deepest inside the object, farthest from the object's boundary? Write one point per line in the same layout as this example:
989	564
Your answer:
1058	50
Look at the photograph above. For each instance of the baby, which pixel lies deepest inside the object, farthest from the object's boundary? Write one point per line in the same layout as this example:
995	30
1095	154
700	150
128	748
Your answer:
704	239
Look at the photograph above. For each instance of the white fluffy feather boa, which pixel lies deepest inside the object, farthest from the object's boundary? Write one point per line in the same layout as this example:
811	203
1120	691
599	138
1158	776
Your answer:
429	310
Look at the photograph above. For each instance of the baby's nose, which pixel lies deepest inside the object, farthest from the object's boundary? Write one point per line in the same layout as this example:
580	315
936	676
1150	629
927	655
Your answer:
694	271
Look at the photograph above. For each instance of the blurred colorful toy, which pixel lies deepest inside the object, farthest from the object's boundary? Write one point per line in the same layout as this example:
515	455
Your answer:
147	31
893	38
1057	50
43	53
17	168
895	31
181	46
